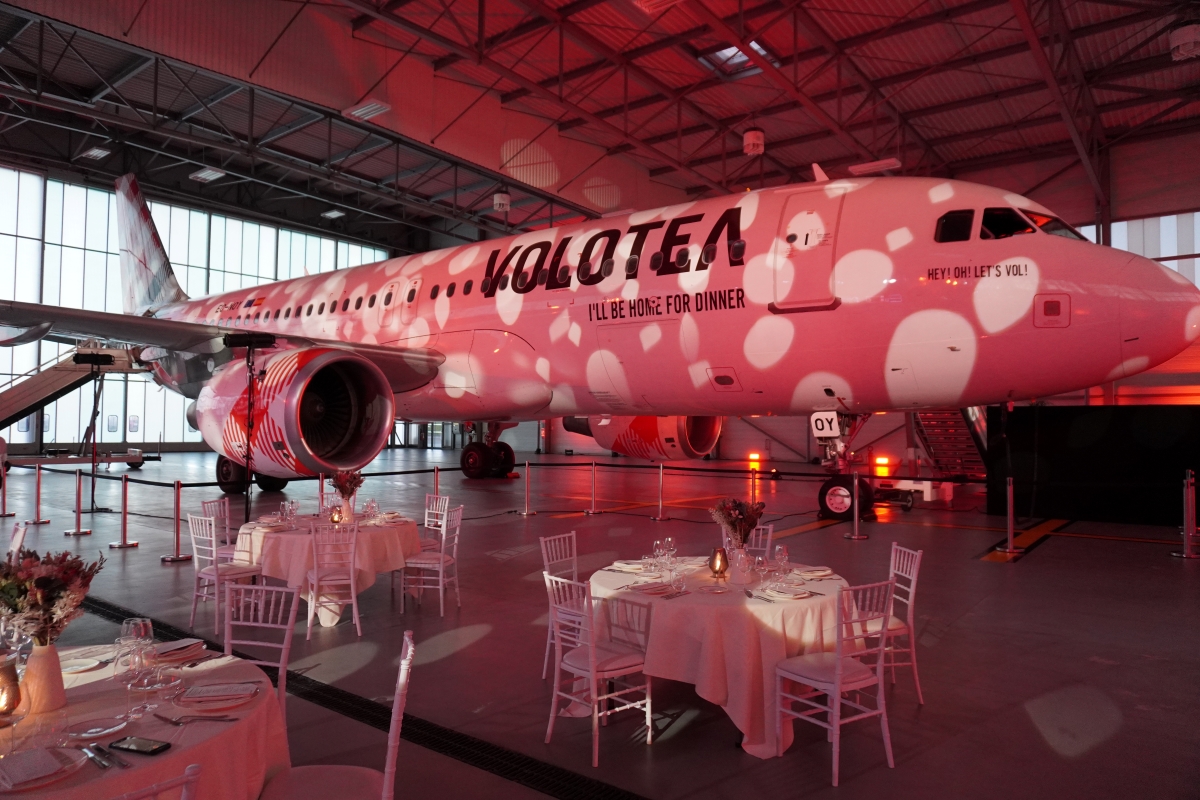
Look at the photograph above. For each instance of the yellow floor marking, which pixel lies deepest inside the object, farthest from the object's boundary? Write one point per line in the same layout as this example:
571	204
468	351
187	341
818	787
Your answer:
1115	538
628	506
1026	539
808	526
940	525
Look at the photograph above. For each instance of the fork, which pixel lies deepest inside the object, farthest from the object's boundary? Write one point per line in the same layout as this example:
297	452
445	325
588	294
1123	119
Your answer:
182	720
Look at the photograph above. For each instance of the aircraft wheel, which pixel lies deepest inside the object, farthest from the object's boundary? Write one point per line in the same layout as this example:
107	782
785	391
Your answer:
269	483
134	464
506	459
231	476
907	504
836	497
477	460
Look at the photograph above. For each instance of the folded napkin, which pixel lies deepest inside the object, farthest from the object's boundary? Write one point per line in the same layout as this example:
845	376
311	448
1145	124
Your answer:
220	691
628	566
180	650
652	587
788	593
269	518
392	515
814	572
703	560
28	765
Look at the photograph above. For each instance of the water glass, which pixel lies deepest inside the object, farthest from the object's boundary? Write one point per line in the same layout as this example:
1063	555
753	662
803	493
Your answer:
669	546
137	628
48	729
647	563
678	584
658	549
761	567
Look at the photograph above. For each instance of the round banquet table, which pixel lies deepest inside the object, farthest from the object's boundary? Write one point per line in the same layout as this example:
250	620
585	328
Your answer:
236	758
287	555
727	645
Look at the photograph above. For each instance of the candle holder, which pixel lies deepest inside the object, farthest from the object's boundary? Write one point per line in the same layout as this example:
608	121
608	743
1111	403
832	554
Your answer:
718	563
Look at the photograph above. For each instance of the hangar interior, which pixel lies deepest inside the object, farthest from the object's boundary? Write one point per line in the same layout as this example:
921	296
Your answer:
276	139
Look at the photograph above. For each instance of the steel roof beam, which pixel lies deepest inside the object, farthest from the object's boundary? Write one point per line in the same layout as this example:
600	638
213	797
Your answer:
132	68
223	93
288	128
511	75
514	33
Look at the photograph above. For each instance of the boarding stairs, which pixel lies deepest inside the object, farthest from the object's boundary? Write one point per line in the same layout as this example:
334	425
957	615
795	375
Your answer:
955	439
32	391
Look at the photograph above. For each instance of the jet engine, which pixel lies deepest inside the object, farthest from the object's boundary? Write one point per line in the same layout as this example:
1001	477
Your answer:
315	410
652	438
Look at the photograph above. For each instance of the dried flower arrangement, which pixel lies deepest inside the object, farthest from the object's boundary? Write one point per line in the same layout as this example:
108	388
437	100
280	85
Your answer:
41	595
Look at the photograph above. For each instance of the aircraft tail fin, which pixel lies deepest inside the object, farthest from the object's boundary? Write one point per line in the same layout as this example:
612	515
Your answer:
147	280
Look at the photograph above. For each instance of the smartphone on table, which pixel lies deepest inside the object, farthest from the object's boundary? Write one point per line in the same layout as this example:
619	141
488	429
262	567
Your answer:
136	744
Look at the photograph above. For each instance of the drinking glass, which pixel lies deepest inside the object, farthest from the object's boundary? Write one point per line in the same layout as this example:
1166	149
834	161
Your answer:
761	567
781	559
678	584
647	563
137	628
49	730
669	546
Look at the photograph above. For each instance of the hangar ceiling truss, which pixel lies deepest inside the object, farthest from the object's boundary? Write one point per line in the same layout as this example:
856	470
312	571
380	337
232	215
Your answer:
85	106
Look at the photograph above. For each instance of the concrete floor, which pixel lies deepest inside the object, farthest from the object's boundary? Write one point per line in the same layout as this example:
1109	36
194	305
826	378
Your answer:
1071	672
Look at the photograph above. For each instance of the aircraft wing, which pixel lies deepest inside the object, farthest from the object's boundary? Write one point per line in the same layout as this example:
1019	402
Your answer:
405	368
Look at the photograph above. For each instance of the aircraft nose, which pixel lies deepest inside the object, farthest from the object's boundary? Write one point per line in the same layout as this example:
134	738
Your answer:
1160	314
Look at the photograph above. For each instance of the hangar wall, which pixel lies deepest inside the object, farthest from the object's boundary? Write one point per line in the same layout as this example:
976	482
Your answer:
319	58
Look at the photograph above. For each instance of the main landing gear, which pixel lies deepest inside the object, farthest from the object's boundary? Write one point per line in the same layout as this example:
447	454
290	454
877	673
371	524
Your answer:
490	458
231	478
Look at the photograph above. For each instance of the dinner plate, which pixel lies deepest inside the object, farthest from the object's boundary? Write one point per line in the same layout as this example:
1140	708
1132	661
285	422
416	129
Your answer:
628	566
71	759
787	595
814	572
74	666
95	728
714	589
216	704
649	576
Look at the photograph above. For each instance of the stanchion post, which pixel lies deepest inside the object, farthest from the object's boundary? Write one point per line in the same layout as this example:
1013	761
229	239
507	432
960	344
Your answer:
321	492
528	479
436	481
124	518
1008	547
592	511
177	556
78	530
855	534
753	486
661	516
1191	537
37	500
4	512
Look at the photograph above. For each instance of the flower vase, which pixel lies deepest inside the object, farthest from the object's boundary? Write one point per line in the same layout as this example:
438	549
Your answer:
741	572
42	687
347	511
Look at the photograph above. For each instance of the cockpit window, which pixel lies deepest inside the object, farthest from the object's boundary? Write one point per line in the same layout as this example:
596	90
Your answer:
955	226
1001	223
1054	226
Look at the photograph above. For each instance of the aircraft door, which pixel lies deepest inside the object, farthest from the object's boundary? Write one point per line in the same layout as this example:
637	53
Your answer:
388	301
804	252
411	299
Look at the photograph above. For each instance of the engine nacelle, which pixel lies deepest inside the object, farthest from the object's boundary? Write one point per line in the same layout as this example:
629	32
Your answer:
652	438
315	410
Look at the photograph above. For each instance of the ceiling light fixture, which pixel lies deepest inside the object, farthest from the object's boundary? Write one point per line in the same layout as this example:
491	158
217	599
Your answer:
96	153
207	174
333	213
875	166
366	109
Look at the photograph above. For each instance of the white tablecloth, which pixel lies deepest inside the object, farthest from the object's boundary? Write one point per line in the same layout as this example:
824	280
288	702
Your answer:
727	645
288	555
236	758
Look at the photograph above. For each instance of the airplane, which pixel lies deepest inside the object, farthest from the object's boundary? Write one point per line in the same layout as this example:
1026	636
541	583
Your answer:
835	299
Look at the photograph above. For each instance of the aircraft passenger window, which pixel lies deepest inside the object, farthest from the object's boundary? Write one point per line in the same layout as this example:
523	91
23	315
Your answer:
332	306
955	226
308	313
346	304
520	282
791	238
563	272
1054	226
585	269
298	310
357	303
485	284
655	261
433	292
631	266
681	257
467	287
709	254
412	294
450	290
321	309
606	267
257	314
737	249
277	313
387	299
503	282
1001	223
371	302
287	313
543	276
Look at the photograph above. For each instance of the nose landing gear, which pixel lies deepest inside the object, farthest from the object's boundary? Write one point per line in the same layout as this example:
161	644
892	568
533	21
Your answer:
834	432
490	458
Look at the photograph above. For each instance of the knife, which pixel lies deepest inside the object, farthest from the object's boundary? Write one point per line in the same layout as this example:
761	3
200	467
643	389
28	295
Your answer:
95	759
111	756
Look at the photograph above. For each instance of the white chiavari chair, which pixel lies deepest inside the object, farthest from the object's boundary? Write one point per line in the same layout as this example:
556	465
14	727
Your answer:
560	559
582	655
219	510
435	569
210	571
265	617
186	784
905	567
436	508
322	781
758	543
16	542
842	677
332	577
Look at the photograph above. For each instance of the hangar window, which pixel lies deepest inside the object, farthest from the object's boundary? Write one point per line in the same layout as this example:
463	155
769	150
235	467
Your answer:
450	290
433	292
467	287
358	304
955	226
133	423
371	301
1054	226
1001	223
112	423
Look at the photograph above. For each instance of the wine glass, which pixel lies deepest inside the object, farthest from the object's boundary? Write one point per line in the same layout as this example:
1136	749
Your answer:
781	558
761	567
138	628
135	666
669	546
